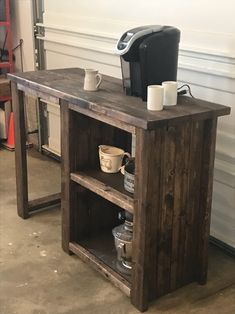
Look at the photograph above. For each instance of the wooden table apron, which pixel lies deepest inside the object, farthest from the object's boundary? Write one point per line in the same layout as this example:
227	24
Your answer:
174	175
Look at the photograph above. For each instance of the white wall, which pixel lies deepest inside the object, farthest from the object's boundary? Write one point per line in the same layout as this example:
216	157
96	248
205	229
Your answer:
84	34
22	28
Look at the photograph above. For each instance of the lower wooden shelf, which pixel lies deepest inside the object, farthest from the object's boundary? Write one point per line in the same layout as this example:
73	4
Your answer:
99	251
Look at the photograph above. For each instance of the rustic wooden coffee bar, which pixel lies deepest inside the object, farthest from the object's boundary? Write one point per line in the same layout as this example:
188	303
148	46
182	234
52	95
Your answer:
171	204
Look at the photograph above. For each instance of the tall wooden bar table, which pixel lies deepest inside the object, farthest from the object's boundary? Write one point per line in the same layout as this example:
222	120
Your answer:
171	204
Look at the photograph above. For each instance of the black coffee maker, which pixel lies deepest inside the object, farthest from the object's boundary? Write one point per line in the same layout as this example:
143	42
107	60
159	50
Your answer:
149	56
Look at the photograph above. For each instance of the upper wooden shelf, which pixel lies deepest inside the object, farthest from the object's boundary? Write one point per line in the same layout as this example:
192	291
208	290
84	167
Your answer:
109	186
111	102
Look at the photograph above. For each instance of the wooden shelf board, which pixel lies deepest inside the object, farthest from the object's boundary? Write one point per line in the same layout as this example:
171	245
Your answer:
99	252
108	185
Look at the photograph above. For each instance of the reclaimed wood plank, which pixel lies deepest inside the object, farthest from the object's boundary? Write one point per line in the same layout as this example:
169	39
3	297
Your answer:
192	221
168	154
186	135
179	166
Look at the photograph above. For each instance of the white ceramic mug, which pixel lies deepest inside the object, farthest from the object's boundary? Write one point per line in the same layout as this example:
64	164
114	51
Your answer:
111	158
155	97
170	93
92	80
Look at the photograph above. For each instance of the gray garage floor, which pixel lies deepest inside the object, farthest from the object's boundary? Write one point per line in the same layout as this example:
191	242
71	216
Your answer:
36	276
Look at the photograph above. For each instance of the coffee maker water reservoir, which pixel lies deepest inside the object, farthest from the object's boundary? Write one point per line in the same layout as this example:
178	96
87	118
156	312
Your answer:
149	55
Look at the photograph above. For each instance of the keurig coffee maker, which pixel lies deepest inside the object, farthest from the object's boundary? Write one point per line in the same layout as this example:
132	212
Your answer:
149	55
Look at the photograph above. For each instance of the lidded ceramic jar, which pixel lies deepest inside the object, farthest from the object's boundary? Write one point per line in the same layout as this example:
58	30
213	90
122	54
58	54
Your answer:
129	175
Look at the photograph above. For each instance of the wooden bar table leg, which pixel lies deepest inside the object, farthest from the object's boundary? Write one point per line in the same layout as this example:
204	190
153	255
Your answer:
206	186
65	174
68	188
20	151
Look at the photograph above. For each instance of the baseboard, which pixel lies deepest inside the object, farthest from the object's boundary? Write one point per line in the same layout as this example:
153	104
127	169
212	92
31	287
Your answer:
225	247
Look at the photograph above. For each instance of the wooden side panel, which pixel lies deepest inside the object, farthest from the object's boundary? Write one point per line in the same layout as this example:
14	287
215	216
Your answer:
20	152
167	214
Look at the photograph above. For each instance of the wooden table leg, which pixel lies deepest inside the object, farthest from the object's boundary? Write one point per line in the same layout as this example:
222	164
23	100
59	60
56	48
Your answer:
206	186
66	156
147	191
20	151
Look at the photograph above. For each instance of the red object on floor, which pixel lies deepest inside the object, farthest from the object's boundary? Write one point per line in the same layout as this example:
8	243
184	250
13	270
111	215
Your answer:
10	144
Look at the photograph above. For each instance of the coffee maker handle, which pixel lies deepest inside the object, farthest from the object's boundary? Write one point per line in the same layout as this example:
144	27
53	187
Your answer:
99	77
120	251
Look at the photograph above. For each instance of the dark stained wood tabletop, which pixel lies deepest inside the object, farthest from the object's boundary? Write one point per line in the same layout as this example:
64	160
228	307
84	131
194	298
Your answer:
111	101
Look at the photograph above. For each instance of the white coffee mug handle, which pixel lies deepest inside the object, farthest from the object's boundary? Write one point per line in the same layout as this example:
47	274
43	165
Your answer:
99	77
122	167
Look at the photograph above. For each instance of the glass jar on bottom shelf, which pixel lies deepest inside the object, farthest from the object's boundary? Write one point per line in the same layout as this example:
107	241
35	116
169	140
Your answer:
123	243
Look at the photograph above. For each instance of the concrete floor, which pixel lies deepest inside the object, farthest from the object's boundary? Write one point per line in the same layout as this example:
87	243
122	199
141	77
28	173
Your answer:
36	276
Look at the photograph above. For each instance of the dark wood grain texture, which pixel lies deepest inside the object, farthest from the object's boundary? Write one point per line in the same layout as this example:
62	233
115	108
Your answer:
110	102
